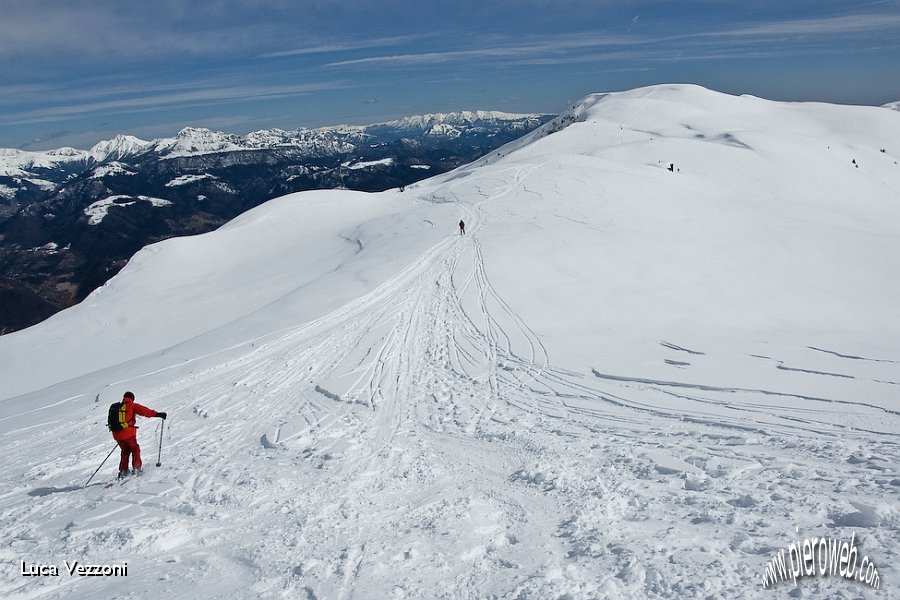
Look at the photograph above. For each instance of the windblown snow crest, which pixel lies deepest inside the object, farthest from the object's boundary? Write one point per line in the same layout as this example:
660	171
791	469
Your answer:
665	347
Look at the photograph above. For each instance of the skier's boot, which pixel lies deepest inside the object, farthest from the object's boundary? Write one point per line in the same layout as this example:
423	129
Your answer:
122	474
137	471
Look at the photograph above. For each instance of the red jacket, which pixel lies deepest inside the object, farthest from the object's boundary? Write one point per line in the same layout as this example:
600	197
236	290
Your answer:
132	408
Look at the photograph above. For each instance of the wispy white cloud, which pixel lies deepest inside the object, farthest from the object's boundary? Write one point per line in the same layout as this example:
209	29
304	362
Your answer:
103	33
835	25
751	40
347	46
190	97
537	46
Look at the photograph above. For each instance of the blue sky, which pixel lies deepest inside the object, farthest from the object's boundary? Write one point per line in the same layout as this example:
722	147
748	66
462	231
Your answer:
74	73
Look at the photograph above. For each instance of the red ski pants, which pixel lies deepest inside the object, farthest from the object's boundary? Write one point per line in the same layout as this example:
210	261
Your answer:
130	448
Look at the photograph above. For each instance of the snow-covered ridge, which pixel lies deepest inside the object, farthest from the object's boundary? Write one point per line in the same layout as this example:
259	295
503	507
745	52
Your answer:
192	141
685	103
20	163
195	141
892	105
428	121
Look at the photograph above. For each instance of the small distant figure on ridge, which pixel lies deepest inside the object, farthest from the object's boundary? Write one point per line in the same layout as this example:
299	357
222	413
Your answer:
462	227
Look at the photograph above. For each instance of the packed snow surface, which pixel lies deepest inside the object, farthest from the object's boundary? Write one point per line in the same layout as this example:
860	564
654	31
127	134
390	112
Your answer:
666	348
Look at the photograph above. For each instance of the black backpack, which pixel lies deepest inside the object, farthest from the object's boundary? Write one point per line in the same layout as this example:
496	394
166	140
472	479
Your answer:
116	420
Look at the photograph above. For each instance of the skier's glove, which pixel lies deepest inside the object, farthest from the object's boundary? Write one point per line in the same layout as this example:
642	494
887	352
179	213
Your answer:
161	415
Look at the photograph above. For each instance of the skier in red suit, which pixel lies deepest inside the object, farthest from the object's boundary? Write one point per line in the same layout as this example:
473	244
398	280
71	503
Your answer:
127	437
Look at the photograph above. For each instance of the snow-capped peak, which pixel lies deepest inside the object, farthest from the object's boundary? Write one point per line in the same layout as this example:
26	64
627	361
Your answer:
197	140
117	148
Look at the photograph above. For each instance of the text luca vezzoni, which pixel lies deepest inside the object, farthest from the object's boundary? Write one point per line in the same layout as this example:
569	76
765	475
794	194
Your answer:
75	568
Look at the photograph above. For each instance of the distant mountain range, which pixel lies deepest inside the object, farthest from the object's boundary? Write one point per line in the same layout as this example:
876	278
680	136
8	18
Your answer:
70	219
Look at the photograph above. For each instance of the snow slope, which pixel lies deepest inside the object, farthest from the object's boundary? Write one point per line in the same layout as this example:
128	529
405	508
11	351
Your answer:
623	382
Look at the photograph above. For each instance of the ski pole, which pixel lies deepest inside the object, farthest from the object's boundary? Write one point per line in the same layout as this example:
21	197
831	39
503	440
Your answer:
159	458
101	464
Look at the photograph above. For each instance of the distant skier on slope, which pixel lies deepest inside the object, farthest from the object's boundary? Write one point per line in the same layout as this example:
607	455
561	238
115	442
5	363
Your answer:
122	417
462	227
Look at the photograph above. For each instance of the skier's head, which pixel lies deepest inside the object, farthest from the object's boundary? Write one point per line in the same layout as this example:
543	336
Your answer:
129	395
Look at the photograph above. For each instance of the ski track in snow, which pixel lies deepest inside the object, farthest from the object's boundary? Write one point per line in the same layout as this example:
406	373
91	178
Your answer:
421	443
